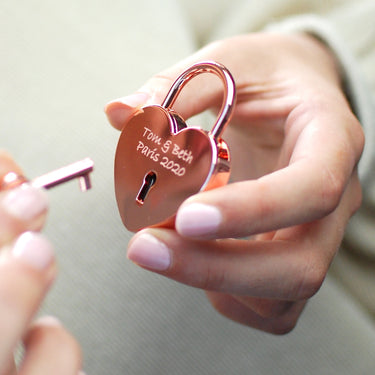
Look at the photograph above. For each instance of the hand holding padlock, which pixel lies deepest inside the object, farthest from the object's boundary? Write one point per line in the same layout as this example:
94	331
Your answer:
160	161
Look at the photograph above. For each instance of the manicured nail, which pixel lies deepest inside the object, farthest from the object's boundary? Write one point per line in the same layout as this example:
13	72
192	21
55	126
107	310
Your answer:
33	249
25	202
49	320
147	251
197	219
120	109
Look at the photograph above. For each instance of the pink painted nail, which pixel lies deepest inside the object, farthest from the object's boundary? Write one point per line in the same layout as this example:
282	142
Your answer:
197	219
25	202
33	249
147	251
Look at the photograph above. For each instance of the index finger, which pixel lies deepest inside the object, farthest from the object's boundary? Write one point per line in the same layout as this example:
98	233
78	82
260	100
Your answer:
22	208
323	157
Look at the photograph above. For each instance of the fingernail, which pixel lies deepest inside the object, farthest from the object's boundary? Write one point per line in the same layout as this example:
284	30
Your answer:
119	110
25	202
198	219
50	320
147	251
33	249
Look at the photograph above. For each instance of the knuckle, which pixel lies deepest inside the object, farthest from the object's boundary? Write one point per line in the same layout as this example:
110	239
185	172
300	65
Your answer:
288	321
282	327
22	289
269	309
357	135
158	86
310	281
332	188
49	329
212	279
276	309
333	183
265	206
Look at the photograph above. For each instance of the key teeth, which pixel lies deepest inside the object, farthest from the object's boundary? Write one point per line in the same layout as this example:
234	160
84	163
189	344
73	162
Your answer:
85	182
79	170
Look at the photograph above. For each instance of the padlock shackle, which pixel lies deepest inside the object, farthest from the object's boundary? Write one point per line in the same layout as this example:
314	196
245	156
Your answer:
223	73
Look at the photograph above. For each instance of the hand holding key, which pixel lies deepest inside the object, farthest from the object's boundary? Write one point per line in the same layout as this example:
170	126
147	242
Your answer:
27	270
80	170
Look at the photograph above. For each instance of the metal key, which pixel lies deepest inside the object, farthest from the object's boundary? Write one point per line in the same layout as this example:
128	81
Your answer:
80	170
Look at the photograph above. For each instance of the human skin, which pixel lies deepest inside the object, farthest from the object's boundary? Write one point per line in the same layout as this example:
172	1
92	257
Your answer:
262	245
27	270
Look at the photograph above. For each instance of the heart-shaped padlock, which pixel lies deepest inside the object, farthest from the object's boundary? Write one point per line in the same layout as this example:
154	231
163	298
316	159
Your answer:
160	161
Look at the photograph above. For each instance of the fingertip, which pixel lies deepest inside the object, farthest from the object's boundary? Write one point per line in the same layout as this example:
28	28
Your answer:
148	251
7	164
119	110
48	320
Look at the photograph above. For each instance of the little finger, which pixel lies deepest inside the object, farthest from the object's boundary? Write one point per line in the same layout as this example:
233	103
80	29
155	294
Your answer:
26	272
234	309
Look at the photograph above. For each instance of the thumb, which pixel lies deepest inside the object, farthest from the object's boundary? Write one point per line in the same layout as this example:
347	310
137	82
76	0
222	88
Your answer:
197	96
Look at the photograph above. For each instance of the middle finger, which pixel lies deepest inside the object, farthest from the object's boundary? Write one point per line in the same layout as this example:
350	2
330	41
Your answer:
26	272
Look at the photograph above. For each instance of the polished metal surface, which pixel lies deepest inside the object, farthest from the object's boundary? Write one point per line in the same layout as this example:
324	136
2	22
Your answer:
160	161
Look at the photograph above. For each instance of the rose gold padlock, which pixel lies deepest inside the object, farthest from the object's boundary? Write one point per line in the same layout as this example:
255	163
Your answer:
160	161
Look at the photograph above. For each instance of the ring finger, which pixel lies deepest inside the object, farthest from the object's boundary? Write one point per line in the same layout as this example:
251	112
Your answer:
50	349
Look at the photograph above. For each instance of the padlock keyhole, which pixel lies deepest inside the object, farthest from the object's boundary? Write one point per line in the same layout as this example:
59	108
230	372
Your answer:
148	182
